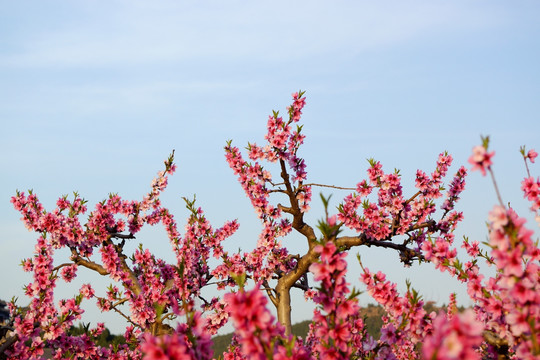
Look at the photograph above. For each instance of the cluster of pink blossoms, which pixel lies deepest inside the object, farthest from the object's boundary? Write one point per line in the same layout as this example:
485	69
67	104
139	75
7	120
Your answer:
256	333
453	338
481	159
153	290
282	146
504	321
406	324
188	342
337	331
392	214
507	305
531	187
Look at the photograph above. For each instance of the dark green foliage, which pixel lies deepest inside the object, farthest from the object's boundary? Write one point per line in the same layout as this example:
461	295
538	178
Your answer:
372	315
104	339
220	344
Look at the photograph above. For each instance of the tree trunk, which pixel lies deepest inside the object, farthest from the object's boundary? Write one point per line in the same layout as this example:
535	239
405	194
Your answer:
284	305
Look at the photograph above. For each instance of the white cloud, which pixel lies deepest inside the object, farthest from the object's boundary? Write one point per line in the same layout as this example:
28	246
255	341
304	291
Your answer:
130	33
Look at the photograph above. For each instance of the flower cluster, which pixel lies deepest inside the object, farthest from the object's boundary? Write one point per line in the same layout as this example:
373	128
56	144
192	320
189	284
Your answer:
481	159
255	328
152	289
531	191
188	342
503	323
392	214
453	338
406	324
339	332
507	303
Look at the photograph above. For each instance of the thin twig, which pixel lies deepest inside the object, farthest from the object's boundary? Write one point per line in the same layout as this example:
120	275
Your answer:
331	186
56	268
122	314
496	187
122	236
271	293
526	166
277	191
413	197
120	302
77	259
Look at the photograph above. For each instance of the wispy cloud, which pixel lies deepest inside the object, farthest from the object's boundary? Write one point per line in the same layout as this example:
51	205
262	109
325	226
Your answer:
134	33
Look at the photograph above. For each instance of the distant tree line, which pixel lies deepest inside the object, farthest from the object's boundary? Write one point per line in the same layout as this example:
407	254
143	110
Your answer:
373	320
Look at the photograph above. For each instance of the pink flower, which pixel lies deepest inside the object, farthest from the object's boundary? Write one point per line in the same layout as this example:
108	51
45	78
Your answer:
87	291
518	322
532	155
481	159
455	338
498	217
531	191
68	273
248	308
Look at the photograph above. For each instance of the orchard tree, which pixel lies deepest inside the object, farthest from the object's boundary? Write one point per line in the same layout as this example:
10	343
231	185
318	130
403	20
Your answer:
373	222
164	321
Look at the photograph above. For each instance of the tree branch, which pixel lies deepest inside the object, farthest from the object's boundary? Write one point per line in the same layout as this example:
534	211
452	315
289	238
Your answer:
407	255
77	259
135	286
285	209
269	292
56	268
277	191
298	216
500	345
7	343
114	307
121	236
331	186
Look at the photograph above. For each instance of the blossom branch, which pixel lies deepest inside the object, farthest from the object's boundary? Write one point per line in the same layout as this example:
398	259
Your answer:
331	186
496	187
271	293
77	259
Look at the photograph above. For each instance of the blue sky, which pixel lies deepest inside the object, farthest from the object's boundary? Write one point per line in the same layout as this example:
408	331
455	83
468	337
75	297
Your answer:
94	96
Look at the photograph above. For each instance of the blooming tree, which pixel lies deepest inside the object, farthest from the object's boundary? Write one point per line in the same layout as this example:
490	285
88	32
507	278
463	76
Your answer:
165	322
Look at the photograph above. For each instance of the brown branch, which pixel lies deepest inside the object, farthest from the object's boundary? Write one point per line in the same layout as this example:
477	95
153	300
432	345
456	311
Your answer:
298	216
349	241
270	292
125	316
290	192
120	302
56	268
114	307
7	343
121	236
302	283
500	345
77	259
135	286
168	316
406	254
278	184
331	186
425	224
413	197
287	281
277	191
288	210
